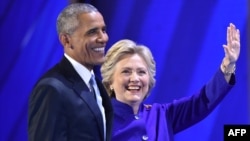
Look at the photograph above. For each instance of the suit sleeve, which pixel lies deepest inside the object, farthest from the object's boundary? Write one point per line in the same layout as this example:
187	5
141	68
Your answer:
46	116
190	110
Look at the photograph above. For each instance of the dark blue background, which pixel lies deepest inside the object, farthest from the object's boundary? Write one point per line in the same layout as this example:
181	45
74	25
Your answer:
185	37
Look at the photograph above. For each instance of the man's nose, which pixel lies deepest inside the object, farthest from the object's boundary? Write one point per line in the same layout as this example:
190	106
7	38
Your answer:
102	37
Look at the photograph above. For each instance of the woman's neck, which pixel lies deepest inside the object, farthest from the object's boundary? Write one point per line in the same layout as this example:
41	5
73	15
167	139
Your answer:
135	107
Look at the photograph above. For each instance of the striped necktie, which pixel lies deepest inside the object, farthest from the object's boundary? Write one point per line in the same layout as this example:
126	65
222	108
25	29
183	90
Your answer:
98	98
91	84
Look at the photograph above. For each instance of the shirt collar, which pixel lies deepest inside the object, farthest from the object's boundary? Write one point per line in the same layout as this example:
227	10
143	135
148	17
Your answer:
84	73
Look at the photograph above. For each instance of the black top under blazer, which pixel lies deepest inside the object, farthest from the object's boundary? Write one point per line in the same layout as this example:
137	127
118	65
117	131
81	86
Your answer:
61	108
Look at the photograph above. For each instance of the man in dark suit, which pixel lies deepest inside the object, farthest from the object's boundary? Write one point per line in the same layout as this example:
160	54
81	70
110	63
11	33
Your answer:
64	106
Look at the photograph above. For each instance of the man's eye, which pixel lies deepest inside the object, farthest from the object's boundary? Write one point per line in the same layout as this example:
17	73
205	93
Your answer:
104	30
90	32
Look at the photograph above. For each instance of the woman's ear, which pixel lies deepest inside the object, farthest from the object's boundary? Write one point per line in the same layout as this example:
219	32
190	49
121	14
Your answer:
111	87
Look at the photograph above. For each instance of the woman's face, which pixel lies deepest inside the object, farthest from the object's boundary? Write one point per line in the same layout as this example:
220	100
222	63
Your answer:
131	80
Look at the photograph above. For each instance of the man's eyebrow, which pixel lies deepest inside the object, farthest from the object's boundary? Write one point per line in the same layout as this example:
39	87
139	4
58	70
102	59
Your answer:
92	30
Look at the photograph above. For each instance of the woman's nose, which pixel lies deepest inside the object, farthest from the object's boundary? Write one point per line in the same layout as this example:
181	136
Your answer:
134	77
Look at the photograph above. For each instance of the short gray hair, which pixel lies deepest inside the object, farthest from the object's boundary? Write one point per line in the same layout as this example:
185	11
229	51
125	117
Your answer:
67	20
117	52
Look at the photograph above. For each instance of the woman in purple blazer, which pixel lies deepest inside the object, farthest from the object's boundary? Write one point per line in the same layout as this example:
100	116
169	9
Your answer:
128	76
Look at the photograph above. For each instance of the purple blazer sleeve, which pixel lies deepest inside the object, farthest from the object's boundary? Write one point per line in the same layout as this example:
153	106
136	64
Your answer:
187	111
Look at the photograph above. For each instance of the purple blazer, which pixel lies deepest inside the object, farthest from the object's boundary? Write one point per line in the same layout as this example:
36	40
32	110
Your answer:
159	122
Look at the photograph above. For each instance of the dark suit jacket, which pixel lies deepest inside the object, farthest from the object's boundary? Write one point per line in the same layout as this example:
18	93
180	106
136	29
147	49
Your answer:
61	108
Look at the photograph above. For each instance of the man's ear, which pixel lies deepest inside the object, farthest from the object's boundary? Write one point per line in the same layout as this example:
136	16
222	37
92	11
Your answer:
65	40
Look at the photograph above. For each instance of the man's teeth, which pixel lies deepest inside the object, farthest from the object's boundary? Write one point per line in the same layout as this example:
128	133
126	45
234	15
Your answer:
99	49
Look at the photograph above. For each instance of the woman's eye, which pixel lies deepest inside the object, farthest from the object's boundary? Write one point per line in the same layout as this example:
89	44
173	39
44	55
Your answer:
125	71
142	72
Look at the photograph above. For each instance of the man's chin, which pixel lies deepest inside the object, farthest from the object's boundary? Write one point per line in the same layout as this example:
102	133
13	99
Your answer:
99	62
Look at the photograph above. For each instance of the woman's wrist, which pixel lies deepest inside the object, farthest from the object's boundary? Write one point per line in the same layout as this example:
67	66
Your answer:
227	67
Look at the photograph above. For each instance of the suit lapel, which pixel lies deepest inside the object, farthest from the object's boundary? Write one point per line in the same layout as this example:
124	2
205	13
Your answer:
82	90
89	99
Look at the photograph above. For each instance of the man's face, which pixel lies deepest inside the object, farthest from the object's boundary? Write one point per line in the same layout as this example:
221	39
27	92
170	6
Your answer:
87	43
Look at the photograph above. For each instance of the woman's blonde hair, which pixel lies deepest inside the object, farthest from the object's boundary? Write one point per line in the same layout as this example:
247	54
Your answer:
117	52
